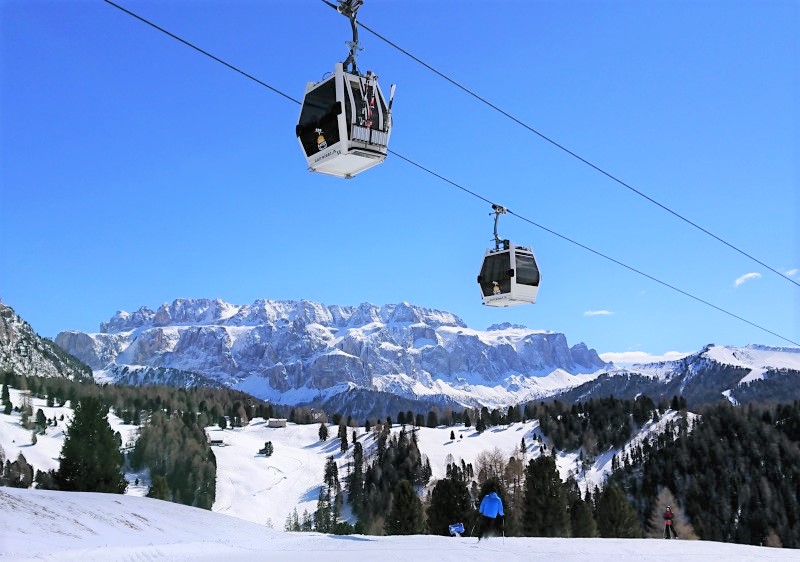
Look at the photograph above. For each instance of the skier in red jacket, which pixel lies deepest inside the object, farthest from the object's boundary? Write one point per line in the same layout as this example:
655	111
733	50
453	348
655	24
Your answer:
668	526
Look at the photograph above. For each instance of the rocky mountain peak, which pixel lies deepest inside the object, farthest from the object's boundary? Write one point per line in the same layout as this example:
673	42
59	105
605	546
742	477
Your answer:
24	352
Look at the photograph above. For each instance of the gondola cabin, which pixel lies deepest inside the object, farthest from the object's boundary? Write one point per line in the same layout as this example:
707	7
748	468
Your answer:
509	276
344	124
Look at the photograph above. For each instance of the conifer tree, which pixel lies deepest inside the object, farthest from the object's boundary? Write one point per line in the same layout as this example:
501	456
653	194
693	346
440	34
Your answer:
615	516
90	459
323	432
450	503
41	421
323	522
18	474
159	489
306	524
581	519
331	476
545	511
355	481
405	517
292	523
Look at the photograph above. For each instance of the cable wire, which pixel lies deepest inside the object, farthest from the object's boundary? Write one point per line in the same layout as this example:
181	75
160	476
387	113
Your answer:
570	152
198	49
457	185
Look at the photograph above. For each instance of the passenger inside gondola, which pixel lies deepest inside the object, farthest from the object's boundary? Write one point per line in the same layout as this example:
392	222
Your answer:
495	274
319	118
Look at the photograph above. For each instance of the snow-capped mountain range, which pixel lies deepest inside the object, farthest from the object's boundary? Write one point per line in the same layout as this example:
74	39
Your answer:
292	353
296	352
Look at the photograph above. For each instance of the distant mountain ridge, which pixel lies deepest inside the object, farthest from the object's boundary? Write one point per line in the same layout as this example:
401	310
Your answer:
736	374
294	352
375	361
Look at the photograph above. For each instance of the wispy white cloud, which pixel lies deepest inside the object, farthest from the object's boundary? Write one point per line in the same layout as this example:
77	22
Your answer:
746	277
598	313
793	272
628	357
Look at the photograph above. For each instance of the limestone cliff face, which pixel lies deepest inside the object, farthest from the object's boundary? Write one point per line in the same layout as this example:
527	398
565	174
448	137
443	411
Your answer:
271	348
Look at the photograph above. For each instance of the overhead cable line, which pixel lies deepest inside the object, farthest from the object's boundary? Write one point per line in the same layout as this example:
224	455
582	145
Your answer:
457	185
570	152
199	50
597	253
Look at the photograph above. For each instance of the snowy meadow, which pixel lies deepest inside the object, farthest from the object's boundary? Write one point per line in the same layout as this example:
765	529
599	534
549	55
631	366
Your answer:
255	494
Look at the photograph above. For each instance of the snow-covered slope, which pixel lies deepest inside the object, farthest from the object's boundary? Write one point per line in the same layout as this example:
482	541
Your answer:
85	527
738	374
255	494
756	358
295	352
44	454
265	490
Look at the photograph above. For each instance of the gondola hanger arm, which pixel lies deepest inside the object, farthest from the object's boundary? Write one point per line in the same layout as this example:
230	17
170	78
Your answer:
349	9
498	210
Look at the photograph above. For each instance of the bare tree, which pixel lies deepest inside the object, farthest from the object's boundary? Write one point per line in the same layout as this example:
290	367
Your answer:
491	464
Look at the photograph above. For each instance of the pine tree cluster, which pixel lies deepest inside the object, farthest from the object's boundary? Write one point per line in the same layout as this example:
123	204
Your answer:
593	426
176	452
736	474
378	489
172	442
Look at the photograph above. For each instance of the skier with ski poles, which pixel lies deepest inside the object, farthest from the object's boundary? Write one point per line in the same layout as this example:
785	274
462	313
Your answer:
668	528
491	509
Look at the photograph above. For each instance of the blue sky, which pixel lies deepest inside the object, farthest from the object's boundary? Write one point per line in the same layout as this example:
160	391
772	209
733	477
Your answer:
134	170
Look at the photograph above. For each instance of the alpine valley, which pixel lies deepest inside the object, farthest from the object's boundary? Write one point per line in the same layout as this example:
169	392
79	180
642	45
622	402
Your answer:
372	360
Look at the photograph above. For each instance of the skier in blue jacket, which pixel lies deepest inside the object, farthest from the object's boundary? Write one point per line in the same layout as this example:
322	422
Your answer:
491	510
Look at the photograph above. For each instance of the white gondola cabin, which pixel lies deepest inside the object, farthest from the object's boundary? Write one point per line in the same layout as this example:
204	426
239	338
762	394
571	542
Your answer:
509	276
344	124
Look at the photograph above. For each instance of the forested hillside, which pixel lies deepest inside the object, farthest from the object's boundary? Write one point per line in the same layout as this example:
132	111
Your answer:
736	474
172	445
731	473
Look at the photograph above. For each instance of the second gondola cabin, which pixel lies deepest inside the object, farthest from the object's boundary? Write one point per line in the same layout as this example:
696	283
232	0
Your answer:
509	276
344	124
